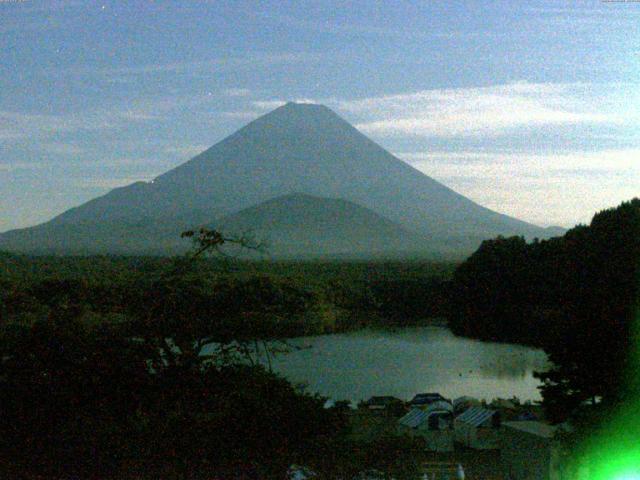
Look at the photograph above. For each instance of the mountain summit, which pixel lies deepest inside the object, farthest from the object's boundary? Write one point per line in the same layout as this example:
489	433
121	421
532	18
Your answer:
297	148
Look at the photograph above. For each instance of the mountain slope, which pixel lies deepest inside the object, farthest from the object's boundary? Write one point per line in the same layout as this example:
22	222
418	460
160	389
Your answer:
295	148
301	225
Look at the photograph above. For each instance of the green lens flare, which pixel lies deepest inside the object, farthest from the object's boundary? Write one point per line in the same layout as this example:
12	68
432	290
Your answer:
614	459
614	452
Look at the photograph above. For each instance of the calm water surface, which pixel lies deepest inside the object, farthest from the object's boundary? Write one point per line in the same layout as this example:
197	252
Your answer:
360	364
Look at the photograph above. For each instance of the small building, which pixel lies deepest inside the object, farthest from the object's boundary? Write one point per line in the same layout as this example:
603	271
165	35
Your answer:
505	403
415	419
527	416
529	451
422	400
477	428
434	425
443	470
435	418
461	404
440	415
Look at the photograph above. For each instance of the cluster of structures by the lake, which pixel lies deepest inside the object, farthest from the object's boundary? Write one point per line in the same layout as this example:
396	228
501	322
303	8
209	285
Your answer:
467	438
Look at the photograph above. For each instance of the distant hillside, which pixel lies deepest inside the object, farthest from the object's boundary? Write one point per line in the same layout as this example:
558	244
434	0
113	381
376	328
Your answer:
143	237
297	148
300	225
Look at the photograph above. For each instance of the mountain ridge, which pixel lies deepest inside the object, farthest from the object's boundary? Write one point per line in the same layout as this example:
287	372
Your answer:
302	148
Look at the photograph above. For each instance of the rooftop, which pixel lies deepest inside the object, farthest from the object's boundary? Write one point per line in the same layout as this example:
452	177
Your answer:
424	398
538	429
382	400
414	418
476	416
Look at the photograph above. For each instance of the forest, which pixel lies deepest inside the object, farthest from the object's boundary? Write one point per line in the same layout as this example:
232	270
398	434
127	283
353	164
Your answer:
103	371
575	296
310	297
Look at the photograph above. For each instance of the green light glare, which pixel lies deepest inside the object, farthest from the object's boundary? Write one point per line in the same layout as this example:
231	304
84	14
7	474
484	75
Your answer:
614	452
616	464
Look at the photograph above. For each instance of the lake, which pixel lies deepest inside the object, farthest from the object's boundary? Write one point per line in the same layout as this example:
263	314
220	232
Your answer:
401	363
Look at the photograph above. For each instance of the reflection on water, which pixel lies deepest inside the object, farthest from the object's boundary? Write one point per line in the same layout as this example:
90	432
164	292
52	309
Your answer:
401	363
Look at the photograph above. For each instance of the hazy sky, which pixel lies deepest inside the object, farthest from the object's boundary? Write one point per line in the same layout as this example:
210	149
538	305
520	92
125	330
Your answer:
529	108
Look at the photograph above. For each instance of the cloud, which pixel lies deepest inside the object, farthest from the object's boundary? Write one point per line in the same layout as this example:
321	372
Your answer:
545	166
46	7
482	111
151	166
139	116
349	28
237	92
272	104
16	126
193	67
14	166
606	13
134	161
9	134
556	188
36	16
68	149
490	111
188	151
110	183
268	104
19	125
240	114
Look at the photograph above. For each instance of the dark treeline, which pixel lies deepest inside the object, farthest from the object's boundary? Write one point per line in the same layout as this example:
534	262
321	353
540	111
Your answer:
576	296
319	297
